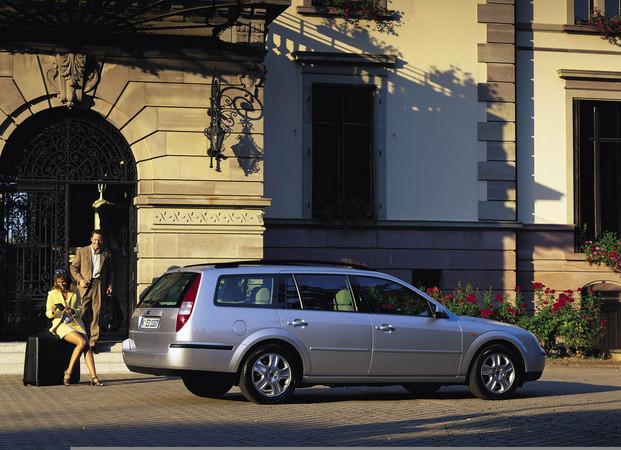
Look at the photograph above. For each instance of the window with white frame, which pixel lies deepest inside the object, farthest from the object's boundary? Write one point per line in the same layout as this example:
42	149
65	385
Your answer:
582	9
343	162
597	167
344	135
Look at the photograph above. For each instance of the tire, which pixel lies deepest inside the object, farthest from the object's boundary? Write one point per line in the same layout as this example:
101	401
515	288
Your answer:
203	386
495	374
268	375
422	388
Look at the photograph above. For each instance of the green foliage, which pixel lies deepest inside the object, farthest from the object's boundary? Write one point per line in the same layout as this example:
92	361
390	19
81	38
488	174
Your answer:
354	210
357	9
570	321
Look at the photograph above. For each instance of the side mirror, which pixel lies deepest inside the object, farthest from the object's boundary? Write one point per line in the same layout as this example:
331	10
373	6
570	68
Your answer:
439	314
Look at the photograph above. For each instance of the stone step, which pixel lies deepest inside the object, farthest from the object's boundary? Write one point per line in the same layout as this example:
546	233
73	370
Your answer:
108	360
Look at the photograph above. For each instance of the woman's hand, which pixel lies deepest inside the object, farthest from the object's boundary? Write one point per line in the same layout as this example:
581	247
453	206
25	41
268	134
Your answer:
68	310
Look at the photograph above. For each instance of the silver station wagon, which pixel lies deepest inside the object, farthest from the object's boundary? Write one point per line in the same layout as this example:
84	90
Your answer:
271	328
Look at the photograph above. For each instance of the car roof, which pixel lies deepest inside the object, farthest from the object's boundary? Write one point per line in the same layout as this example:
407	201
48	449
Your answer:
281	264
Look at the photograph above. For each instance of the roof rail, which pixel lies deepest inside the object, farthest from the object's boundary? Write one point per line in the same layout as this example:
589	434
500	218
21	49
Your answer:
283	262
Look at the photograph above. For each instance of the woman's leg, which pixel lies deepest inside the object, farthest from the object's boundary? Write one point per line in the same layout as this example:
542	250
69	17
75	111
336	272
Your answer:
80	343
90	361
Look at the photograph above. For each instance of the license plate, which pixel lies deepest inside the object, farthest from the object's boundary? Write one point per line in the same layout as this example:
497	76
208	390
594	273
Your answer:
151	323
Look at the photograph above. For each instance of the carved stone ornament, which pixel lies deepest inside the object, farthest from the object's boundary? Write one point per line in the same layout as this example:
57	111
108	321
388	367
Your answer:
201	217
73	75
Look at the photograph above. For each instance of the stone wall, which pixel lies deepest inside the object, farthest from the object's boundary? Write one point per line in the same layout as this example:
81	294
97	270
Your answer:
187	212
482	256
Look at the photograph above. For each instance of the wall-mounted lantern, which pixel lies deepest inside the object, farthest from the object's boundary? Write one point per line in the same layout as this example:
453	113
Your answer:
215	132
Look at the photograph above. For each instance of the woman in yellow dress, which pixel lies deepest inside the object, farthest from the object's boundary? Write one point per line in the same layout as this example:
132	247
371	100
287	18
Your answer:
64	308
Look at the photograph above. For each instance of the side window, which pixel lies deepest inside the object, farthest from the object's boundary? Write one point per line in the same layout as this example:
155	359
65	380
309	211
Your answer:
325	292
292	299
245	290
386	297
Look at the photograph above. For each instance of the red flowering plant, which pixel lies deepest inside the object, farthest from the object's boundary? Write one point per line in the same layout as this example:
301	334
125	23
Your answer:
608	25
569	321
471	301
463	301
513	311
604	249
586	327
549	314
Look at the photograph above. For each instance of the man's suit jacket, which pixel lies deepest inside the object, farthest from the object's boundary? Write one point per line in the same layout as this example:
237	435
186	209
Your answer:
82	268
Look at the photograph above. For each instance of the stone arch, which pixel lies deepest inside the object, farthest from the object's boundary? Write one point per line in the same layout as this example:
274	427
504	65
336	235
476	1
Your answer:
69	145
51	169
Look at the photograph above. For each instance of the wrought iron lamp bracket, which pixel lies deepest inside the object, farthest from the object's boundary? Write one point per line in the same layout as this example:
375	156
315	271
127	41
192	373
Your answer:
215	132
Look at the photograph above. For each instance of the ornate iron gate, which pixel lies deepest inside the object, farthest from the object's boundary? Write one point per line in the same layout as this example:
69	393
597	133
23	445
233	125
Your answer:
37	171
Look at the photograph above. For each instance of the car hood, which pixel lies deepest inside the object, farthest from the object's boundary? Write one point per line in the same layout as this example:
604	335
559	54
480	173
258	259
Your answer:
468	323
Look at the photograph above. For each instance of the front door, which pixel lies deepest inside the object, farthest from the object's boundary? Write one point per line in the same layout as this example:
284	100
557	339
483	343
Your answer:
407	339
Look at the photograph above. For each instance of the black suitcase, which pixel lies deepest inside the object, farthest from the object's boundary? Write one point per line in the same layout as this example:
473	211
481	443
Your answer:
47	358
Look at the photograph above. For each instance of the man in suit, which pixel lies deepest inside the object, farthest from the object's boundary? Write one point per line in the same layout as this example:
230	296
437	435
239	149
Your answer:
92	270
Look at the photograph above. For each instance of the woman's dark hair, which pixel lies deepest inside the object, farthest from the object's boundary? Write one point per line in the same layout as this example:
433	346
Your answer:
64	275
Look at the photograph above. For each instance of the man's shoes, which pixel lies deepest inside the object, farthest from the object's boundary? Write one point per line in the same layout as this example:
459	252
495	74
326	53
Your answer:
94	349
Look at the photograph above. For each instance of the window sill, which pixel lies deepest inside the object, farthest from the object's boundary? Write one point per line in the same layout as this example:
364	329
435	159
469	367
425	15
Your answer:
579	29
330	13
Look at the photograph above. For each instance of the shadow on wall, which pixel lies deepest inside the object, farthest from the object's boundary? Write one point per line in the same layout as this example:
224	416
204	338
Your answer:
433	104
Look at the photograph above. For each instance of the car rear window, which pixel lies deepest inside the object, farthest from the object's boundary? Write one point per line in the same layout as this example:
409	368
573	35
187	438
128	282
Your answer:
246	290
168	291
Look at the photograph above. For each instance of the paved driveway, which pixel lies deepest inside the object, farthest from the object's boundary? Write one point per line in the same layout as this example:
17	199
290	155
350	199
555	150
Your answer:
570	406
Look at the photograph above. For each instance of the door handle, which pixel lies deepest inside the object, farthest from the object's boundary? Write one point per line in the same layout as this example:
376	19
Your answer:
298	323
385	327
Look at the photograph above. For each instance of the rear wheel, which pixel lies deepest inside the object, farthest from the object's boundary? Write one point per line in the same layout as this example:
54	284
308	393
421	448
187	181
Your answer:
495	374
422	388
268	375
203	386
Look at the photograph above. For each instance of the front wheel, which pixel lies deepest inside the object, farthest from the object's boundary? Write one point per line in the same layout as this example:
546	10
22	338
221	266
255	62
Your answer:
206	387
495	374
268	376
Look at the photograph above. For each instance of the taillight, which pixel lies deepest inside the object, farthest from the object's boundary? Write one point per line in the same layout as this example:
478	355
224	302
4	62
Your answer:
185	310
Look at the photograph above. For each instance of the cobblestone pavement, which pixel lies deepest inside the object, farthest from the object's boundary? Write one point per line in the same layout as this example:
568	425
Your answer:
569	406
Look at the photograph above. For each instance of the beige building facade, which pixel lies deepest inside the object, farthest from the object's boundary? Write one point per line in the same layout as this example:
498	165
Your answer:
441	147
115	133
476	173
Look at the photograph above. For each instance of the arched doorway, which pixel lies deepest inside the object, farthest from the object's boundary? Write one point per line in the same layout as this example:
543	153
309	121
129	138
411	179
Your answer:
52	169
610	293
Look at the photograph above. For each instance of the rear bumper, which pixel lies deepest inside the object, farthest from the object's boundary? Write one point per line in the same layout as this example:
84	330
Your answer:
178	358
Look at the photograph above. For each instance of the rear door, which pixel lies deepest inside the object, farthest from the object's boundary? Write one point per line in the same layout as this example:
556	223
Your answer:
407	339
321	313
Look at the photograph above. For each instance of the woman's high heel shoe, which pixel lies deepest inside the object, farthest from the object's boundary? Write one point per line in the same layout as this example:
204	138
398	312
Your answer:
95	382
67	379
